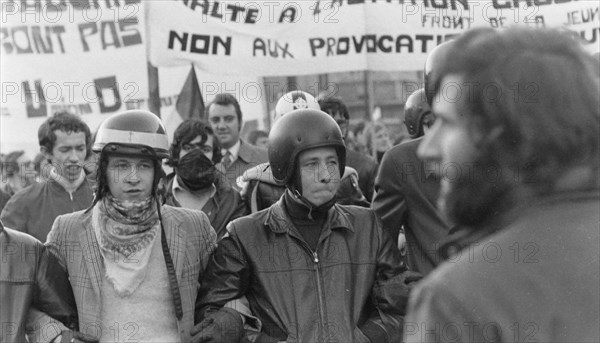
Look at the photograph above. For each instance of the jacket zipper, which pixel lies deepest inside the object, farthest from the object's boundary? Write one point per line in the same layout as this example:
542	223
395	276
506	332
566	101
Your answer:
317	270
72	202
319	290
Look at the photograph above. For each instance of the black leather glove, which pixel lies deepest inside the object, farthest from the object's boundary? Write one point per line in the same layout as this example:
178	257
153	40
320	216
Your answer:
224	325
68	336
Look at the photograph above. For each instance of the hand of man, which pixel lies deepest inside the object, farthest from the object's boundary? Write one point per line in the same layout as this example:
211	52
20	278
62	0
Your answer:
224	325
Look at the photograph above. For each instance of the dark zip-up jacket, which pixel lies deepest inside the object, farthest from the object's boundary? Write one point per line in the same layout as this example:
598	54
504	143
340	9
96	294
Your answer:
352	286
33	209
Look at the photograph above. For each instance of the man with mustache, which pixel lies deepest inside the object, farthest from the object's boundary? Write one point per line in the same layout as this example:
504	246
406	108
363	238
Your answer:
225	117
517	137
65	141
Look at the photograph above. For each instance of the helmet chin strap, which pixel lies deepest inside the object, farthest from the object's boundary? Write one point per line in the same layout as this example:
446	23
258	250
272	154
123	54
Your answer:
299	196
304	201
311	207
295	186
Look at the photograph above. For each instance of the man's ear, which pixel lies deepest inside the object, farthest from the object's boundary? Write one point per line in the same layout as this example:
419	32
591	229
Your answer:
47	153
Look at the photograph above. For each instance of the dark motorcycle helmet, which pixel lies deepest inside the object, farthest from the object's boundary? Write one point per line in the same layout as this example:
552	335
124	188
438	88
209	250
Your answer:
134	132
415	109
298	131
432	72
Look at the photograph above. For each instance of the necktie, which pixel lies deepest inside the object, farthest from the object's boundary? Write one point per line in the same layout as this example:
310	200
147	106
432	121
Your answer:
226	160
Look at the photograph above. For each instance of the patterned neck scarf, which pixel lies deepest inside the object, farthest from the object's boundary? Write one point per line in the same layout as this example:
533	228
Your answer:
125	231
125	225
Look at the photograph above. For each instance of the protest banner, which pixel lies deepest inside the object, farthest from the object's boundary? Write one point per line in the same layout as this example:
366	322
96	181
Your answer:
85	58
278	38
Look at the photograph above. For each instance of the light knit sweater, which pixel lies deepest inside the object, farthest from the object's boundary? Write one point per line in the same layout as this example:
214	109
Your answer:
147	315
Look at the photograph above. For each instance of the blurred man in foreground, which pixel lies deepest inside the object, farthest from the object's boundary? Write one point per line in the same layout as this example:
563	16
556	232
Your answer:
518	113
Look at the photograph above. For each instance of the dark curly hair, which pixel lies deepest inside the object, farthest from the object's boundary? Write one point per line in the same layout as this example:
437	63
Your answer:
333	105
67	122
187	132
529	100
546	98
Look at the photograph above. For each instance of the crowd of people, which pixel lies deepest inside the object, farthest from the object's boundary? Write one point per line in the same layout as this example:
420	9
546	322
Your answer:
481	227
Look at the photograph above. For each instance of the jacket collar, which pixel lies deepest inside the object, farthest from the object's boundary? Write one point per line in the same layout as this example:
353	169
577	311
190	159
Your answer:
212	206
57	187
234	150
279	221
247	153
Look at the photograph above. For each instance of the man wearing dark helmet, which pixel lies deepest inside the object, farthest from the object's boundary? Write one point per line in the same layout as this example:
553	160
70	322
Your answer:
311	270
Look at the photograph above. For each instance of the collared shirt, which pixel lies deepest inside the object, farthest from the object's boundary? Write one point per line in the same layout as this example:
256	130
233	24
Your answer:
233	151
191	200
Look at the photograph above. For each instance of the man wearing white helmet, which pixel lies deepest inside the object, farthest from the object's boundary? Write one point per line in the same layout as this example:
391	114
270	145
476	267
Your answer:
132	263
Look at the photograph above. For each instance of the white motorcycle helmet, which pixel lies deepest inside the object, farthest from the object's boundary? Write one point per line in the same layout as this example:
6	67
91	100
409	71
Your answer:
294	100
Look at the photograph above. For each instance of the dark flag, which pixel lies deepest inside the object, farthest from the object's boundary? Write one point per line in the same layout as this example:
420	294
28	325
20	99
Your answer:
190	104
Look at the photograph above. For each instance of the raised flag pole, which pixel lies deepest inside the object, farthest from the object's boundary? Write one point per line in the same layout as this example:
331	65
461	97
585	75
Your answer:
153	90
